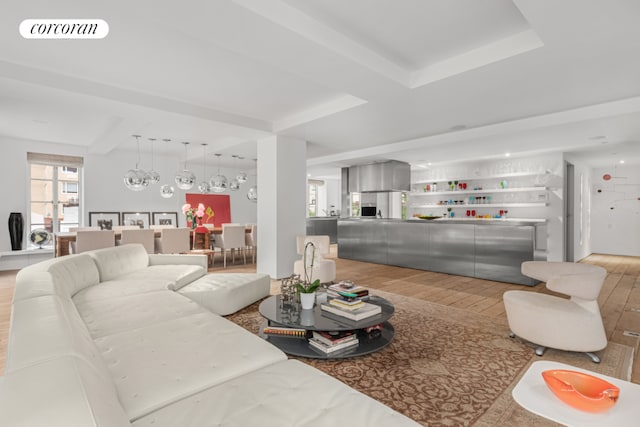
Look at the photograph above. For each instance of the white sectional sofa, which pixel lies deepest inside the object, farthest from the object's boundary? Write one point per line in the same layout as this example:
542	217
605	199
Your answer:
100	339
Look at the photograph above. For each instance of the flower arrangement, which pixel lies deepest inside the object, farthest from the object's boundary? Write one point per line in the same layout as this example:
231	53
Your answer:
192	214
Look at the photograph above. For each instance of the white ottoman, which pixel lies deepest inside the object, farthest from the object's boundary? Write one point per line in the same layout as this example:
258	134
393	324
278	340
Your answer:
227	293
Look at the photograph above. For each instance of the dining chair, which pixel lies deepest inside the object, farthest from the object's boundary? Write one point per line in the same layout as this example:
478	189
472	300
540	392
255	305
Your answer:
160	227
76	229
138	235
232	238
88	240
251	241
119	228
173	241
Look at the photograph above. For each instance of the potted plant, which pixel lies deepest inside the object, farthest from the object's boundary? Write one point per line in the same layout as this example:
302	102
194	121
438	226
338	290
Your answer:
308	293
306	288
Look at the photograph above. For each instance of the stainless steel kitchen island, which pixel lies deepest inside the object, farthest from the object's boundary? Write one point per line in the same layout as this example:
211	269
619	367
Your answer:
490	249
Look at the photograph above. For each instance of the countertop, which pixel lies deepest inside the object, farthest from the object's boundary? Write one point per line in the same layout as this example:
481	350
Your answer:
484	221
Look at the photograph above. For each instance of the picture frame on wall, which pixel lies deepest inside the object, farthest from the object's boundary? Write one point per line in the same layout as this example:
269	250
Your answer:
165	218
141	219
104	220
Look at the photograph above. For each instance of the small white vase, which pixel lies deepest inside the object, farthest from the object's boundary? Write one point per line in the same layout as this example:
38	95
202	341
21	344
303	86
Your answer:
307	300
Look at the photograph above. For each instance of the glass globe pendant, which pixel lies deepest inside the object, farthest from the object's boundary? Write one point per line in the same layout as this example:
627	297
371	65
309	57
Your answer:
154	177
252	193
186	178
234	185
219	183
166	191
204	187
242	176
136	179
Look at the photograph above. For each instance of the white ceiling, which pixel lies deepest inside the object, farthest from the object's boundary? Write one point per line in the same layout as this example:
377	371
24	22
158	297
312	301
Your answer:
360	80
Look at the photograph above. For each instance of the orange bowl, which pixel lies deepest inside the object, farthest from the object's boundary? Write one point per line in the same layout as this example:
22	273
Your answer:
581	391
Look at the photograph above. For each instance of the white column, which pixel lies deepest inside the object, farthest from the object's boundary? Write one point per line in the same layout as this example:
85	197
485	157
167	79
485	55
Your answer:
282	181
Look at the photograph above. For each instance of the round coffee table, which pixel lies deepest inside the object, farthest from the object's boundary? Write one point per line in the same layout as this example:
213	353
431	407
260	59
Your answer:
290	315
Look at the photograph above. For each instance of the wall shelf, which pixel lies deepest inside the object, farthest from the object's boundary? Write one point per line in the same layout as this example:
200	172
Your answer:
483	191
478	178
484	205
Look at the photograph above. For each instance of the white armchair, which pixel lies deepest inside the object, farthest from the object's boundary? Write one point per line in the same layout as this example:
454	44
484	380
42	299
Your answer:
323	269
573	324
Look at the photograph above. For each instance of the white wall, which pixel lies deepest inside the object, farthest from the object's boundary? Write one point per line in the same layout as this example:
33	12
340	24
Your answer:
615	212
104	189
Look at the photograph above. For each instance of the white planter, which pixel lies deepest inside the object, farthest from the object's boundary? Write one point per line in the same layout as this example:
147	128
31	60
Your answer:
307	300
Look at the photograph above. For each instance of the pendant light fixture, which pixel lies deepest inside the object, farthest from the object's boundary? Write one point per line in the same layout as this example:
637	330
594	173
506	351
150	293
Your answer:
154	177
186	178
242	176
234	184
204	187
166	191
136	179
219	182
252	193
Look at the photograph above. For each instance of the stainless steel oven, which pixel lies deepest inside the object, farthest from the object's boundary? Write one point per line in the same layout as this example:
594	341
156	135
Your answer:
368	211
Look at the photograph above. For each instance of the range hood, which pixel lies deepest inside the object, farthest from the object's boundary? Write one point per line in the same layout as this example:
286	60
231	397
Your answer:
377	177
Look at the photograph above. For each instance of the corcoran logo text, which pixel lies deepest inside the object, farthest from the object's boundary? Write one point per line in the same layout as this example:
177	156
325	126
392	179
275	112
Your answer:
64	29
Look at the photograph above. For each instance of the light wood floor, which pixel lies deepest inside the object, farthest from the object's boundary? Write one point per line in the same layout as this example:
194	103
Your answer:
619	300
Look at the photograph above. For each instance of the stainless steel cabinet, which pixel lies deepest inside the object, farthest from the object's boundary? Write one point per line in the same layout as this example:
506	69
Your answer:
493	252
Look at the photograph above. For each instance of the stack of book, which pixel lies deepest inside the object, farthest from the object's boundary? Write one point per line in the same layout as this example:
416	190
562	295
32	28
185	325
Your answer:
331	342
359	311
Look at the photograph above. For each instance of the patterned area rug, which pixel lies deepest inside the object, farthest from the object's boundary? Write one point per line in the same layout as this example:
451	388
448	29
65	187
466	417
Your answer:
447	367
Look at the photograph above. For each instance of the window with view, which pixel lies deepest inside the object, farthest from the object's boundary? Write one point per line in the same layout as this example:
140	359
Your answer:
55	192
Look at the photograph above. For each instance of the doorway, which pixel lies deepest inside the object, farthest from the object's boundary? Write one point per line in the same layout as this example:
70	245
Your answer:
569	212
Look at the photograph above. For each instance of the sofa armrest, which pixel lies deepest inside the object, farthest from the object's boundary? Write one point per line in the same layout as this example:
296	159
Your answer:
168	259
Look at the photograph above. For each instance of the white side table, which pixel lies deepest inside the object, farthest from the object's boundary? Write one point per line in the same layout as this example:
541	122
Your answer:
532	393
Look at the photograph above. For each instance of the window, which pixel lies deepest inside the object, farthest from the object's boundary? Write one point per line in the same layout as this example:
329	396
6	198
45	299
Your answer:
55	191
355	204
313	199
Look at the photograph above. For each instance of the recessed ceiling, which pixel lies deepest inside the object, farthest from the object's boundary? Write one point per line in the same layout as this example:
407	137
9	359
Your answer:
359	80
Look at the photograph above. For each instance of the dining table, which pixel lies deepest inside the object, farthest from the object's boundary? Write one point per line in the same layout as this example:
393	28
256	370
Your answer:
63	239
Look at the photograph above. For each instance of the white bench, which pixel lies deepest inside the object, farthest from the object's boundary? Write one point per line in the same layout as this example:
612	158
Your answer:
224	294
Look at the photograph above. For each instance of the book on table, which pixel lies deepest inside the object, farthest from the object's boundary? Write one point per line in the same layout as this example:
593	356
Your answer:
352	291
330	349
334	338
346	305
277	331
363	312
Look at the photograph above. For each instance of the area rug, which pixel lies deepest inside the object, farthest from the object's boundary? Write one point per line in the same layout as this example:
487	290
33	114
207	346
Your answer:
446	366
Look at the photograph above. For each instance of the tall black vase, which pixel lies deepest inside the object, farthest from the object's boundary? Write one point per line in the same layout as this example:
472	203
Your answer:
16	227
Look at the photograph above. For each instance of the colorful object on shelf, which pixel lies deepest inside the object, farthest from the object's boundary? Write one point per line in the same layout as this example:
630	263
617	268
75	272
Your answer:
581	391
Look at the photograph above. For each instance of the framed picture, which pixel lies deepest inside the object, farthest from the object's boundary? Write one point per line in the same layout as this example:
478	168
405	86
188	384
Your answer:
165	218
104	220
141	219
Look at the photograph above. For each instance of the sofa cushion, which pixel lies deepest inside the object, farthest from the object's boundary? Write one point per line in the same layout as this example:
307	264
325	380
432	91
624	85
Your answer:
177	275
288	393
156	365
49	327
224	294
62	392
151	279
112	315
119	260
71	274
